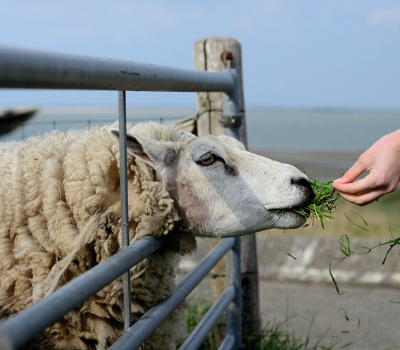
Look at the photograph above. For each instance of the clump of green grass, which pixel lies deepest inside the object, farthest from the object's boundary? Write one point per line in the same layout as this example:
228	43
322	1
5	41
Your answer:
193	316
323	205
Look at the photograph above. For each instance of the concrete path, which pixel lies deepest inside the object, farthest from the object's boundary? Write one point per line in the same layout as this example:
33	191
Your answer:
379	319
302	289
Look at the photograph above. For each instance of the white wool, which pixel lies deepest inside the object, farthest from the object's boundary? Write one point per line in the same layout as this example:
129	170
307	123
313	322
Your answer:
60	216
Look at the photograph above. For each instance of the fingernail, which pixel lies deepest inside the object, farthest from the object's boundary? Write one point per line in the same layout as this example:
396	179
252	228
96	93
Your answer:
337	180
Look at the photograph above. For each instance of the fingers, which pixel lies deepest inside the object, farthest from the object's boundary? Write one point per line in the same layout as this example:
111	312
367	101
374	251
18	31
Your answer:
362	192
365	198
356	188
355	171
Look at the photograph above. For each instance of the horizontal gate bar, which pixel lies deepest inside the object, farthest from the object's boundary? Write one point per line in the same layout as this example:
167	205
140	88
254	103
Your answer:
18	329
142	329
96	120
209	320
228	342
27	68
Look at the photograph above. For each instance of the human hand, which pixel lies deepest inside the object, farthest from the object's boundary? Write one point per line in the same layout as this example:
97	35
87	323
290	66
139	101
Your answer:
382	160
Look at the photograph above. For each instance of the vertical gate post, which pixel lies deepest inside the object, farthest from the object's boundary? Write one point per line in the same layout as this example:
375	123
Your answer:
214	55
123	169
234	314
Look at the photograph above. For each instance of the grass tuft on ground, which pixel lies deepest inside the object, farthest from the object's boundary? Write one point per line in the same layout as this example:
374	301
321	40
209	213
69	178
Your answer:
273	336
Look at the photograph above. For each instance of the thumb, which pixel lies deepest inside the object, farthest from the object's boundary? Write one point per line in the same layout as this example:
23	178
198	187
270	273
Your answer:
355	171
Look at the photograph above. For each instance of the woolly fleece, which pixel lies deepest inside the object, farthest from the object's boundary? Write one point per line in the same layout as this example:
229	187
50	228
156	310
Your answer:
60	216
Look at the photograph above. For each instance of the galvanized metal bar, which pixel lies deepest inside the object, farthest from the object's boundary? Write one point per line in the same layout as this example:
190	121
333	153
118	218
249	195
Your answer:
142	329
234	314
123	170
231	121
26	68
231	118
92	121
209	320
18	329
228	343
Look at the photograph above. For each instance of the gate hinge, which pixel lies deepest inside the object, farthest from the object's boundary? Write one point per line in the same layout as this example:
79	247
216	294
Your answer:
230	121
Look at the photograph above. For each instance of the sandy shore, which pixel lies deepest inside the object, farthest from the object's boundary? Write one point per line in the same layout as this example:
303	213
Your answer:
323	165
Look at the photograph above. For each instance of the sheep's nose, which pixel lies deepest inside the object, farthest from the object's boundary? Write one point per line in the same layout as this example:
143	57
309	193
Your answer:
305	185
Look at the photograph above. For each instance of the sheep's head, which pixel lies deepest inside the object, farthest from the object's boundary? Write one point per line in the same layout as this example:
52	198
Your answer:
219	188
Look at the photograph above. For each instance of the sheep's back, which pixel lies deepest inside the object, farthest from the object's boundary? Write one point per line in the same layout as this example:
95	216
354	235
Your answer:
60	216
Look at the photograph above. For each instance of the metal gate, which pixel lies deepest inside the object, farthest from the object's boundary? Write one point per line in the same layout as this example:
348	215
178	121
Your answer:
23	68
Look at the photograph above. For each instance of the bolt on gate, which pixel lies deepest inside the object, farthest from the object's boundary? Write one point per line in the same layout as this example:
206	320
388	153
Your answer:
23	68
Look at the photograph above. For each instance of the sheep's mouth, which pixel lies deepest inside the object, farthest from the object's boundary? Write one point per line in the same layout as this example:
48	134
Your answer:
302	211
288	218
305	211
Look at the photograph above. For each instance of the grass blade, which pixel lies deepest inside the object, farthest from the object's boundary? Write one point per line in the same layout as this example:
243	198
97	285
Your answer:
363	228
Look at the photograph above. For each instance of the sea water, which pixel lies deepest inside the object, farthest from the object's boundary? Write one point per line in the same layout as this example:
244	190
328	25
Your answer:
266	128
320	130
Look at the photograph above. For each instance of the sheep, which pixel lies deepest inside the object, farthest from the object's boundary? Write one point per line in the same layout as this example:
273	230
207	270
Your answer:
60	216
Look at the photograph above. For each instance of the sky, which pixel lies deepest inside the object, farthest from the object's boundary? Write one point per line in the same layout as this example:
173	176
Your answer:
341	54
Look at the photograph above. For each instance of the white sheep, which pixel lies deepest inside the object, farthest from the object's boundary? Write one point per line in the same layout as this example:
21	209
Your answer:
60	216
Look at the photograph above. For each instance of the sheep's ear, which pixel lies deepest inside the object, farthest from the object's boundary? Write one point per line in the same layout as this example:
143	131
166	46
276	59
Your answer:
151	152
186	136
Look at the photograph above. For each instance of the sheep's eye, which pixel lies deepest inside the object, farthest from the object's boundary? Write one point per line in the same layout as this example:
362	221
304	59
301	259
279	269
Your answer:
208	161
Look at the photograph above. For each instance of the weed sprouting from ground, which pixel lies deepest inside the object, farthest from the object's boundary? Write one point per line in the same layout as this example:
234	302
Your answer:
273	336
193	316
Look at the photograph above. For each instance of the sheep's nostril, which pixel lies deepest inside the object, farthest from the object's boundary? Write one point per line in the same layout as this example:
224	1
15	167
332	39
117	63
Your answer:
301	182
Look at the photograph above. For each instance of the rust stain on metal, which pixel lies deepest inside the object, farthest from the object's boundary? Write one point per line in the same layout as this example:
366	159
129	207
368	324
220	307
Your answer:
226	56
